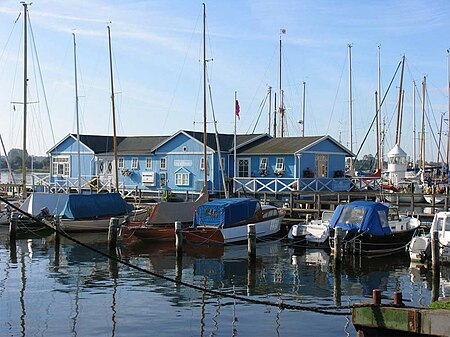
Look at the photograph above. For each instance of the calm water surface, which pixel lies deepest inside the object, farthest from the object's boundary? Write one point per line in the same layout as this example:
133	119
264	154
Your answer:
48	289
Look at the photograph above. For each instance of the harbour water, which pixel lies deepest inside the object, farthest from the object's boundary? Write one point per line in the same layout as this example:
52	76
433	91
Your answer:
55	287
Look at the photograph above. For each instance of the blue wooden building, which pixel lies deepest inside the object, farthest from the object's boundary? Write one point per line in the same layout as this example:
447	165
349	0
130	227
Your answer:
151	164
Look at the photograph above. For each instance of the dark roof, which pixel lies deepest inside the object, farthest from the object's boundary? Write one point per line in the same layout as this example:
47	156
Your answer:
125	145
285	145
97	143
139	144
226	141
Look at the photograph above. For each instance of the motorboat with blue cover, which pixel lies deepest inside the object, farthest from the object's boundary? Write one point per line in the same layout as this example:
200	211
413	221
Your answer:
372	227
225	221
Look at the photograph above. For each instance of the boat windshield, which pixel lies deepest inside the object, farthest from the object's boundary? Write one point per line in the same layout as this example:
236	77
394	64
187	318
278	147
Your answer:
327	215
352	215
383	220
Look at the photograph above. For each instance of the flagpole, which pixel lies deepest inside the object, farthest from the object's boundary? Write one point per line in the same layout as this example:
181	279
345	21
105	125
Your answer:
234	150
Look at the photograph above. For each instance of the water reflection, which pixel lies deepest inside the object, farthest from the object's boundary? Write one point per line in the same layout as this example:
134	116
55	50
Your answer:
83	284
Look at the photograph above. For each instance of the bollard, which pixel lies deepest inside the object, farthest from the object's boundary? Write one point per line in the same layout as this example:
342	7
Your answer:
251	240
398	298
13	226
376	296
112	233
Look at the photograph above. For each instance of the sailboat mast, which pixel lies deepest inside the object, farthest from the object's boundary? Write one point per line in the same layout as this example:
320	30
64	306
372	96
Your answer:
76	111
414	125
116	171
25	89
350	97
448	79
303	108
377	132
205	161
399	105
423	127
275	116
269	93
282	31
378	105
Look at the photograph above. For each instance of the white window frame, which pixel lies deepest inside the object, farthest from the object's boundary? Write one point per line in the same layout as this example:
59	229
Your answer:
182	179
134	163
279	166
120	163
62	162
263	163
148	163
161	165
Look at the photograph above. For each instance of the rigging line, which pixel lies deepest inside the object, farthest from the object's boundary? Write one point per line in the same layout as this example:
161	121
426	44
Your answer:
429	123
169	110
9	37
335	97
42	81
261	107
381	104
262	80
318	309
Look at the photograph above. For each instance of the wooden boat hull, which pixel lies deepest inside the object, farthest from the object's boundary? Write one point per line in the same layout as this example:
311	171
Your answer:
150	232
232	234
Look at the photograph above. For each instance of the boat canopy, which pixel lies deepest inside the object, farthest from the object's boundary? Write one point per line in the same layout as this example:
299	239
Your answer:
93	206
226	212
36	201
363	217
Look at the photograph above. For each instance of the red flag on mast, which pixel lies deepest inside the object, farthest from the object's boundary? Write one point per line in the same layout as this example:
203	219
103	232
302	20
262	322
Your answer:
238	109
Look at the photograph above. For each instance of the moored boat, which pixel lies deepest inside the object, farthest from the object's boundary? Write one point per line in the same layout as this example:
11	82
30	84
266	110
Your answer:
314	232
420	247
92	212
225	221
372	228
160	222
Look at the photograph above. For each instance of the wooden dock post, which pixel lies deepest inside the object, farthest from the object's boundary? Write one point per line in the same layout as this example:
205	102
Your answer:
13	227
57	227
337	243
435	265
251	241
178	237
12	236
112	233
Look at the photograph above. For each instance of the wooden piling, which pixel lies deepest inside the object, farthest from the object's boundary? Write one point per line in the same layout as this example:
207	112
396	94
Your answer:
13	227
112	233
178	237
337	243
435	249
251	240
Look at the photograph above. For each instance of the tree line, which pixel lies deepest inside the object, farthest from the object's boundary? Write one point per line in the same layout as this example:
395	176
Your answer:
14	156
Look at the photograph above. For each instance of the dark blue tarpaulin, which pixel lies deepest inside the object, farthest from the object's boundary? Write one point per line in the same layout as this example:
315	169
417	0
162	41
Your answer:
91	206
362	216
225	212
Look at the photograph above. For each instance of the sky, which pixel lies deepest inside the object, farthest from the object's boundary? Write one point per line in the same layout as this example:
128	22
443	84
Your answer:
158	75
